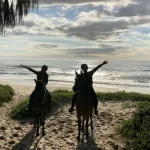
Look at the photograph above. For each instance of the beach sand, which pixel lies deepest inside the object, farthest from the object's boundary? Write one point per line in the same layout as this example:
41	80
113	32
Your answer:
26	87
61	127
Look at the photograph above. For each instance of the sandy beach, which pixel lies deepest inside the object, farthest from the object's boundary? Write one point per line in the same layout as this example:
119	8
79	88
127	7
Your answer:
61	127
26	87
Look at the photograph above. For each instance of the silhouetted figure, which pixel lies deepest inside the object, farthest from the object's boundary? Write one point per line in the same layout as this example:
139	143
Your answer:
88	76
84	105
39	106
41	76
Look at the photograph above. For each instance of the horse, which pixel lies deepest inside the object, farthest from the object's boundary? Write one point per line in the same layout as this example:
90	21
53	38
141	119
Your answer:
39	107
84	106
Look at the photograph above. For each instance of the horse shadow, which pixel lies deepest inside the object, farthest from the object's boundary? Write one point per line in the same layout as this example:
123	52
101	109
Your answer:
30	138
26	142
87	143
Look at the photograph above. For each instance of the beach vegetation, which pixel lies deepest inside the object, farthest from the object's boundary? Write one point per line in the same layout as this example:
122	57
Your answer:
136	130
62	97
6	93
59	98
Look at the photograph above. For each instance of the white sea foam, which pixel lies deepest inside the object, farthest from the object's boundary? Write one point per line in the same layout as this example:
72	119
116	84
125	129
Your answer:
125	75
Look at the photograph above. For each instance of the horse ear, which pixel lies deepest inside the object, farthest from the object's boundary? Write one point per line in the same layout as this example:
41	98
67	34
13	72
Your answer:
76	73
35	81
81	72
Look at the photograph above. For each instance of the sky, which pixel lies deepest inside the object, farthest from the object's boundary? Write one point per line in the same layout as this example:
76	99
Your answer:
81	29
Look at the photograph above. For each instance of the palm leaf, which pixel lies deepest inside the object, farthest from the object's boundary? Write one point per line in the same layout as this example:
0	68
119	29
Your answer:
11	14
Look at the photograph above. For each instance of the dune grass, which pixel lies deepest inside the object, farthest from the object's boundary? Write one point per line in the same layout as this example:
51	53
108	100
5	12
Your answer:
122	96
61	97
6	93
136	130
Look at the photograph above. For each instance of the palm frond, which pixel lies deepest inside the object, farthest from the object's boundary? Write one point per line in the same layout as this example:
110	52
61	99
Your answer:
11	14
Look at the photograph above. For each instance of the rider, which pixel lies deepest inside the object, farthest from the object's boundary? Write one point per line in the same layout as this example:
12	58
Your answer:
88	76
43	76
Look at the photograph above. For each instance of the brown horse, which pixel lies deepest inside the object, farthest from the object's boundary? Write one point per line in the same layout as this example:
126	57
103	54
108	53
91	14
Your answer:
84	106
39	107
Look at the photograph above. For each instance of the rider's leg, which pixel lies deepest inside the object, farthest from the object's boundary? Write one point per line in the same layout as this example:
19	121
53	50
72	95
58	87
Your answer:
95	105
30	105
49	100
94	101
73	102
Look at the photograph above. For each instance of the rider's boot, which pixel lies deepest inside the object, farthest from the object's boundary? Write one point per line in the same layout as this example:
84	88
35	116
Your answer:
71	109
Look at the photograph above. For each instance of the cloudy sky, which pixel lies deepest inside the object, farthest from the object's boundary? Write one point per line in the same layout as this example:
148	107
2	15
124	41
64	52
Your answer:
79	29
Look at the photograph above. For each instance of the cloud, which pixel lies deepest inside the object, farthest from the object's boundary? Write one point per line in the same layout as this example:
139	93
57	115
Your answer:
45	46
103	49
36	25
101	29
73	1
136	8
85	27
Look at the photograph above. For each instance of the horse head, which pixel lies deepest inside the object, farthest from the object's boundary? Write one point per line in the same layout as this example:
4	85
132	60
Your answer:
79	82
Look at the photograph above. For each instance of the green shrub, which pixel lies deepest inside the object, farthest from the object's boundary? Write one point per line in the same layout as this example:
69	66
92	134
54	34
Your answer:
20	111
122	96
137	129
60	97
6	93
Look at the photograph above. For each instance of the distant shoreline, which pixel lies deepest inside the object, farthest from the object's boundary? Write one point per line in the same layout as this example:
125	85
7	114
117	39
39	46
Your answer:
27	86
129	76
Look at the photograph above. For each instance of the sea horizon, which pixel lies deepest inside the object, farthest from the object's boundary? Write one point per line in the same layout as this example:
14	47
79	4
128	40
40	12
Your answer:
128	75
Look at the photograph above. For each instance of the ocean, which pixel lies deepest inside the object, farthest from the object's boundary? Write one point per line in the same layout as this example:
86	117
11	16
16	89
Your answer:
128	75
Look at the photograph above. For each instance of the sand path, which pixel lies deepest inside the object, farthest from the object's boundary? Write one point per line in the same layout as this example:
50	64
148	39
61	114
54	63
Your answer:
61	130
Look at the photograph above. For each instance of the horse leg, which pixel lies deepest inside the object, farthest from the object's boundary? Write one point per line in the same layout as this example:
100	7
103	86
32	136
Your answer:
34	126
37	121
41	121
43	130
83	123
91	122
79	128
87	121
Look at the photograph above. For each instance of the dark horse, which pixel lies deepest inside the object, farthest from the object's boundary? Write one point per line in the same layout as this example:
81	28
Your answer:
39	106
84	106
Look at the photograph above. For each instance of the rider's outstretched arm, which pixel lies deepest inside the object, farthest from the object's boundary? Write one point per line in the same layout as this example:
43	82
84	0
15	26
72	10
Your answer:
99	66
30	69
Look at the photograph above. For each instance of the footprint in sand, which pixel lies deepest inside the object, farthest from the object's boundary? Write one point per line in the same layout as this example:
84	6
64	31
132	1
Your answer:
62	129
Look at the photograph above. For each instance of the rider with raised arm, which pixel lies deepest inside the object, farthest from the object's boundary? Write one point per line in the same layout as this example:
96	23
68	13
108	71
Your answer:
42	76
88	76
